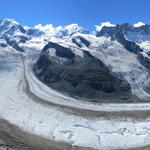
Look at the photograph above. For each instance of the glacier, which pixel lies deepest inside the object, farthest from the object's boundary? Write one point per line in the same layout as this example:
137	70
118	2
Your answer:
38	109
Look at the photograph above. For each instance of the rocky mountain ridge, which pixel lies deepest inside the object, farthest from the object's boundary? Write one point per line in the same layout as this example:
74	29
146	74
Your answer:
110	67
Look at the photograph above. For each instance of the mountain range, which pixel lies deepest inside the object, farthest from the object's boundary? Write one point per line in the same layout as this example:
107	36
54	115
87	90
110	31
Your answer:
67	88
111	66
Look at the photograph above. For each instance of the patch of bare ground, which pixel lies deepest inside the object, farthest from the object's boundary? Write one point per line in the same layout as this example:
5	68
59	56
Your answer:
13	138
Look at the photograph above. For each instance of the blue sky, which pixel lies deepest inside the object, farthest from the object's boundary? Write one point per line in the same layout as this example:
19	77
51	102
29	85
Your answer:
86	13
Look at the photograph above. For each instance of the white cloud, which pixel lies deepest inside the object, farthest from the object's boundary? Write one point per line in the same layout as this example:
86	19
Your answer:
139	24
107	24
49	29
59	31
44	28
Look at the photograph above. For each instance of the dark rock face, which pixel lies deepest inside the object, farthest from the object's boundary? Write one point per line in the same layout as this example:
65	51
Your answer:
34	32
21	28
14	44
17	47
144	29
85	78
145	61
23	39
82	41
60	51
3	45
117	33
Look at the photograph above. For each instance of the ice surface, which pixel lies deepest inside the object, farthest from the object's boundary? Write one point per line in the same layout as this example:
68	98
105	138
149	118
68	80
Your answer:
48	121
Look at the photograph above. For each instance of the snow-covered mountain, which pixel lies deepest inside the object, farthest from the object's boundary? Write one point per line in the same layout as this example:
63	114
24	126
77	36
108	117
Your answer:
16	36
122	57
121	51
80	69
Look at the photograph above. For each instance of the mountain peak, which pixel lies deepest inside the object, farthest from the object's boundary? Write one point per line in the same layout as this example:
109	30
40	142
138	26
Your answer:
104	24
139	24
8	21
61	31
124	25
